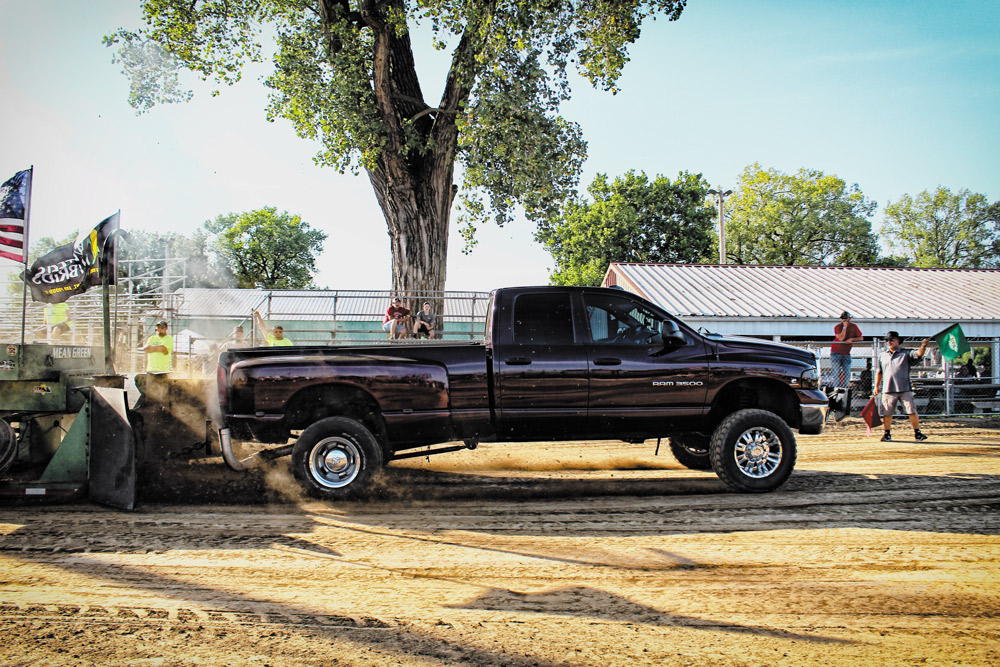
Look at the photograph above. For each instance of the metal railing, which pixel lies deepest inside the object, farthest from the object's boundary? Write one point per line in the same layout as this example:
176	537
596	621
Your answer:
322	317
354	316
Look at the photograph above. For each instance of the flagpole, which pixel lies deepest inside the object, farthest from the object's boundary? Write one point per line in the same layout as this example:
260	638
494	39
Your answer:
104	268
24	250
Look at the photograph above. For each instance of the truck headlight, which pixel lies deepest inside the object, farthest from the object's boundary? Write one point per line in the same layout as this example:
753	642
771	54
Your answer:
809	379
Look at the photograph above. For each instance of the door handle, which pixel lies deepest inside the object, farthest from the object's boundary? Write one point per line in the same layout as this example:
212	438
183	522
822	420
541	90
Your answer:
607	361
517	361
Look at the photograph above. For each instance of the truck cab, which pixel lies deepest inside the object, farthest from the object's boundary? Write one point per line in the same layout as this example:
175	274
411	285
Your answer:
608	364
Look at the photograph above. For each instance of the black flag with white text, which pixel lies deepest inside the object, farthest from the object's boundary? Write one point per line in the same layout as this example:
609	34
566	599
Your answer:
73	268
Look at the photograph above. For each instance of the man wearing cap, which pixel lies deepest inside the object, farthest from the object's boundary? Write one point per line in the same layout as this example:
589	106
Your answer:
396	317
892	379
159	349
275	337
844	334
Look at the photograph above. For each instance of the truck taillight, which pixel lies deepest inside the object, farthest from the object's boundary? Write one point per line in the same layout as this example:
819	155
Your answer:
220	381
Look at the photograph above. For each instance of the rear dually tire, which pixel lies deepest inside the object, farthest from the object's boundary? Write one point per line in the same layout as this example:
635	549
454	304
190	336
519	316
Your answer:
337	458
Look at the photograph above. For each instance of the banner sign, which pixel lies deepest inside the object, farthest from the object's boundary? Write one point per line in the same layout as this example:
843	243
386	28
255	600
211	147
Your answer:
72	268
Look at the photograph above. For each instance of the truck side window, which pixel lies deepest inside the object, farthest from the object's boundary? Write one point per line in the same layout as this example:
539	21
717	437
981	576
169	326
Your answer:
619	321
543	319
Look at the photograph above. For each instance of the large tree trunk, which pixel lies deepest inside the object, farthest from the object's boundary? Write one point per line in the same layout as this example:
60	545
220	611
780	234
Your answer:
414	188
417	213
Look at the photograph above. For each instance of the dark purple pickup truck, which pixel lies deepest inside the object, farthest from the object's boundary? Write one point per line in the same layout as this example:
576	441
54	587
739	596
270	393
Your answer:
557	363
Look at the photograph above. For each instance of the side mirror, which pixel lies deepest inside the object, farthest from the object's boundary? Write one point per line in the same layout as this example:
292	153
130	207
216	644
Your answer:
671	333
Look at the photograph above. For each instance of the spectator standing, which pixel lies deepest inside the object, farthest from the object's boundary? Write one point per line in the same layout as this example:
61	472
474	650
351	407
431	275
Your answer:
892	380
967	370
236	339
276	336
396	317
57	320
844	335
159	350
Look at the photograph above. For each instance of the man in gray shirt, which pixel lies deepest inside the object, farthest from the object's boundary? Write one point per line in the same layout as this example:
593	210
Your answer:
892	380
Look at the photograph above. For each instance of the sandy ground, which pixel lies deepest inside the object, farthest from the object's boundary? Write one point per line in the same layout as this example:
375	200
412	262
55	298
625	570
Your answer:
557	554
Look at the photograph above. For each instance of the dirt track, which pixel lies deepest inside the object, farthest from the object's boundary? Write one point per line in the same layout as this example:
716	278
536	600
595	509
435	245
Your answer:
536	555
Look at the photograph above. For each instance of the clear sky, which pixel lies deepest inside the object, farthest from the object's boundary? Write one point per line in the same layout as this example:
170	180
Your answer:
897	97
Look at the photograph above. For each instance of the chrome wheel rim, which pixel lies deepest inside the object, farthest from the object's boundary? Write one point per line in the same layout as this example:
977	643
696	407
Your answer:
758	452
335	462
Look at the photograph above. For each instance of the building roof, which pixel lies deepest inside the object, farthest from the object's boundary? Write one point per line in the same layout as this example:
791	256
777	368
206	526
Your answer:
820	293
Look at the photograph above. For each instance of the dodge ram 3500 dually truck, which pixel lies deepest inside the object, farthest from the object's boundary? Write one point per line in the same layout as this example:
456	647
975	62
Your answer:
557	363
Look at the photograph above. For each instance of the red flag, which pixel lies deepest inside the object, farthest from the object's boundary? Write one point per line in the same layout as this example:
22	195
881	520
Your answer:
870	413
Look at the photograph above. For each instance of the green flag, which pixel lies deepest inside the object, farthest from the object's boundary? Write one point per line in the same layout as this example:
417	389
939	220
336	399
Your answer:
952	342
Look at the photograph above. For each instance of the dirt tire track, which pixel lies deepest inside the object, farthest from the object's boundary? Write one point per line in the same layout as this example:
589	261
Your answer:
595	555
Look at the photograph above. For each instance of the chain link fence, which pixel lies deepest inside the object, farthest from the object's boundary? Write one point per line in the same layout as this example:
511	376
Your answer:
969	385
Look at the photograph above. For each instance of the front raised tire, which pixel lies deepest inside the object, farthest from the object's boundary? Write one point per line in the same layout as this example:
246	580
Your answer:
691	450
753	451
336	458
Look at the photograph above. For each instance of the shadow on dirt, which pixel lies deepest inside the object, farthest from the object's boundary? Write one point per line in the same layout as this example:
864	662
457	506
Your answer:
42	536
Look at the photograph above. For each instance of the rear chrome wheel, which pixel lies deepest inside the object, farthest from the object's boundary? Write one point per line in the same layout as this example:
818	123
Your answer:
335	462
336	458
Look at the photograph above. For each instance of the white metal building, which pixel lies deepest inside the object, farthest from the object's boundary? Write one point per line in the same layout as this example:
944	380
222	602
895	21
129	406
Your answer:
803	303
806	301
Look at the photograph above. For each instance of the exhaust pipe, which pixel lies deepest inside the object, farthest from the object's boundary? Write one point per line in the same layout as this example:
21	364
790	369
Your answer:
226	444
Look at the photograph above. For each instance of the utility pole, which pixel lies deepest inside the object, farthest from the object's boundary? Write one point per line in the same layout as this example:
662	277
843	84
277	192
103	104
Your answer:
722	227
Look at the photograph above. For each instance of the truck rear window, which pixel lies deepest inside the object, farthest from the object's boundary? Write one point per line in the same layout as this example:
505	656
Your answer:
543	319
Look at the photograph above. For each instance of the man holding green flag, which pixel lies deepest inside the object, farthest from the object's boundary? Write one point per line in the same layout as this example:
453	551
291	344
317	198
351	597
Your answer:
892	380
952	342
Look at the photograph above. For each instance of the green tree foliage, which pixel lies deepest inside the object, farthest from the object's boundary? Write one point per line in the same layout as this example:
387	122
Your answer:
942	229
345	75
808	218
190	261
266	249
631	219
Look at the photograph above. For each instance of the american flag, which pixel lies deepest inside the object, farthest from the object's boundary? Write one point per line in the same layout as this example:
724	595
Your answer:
13	200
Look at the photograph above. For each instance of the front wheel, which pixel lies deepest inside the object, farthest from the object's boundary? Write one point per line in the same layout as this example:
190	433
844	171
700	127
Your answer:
753	451
691	450
336	458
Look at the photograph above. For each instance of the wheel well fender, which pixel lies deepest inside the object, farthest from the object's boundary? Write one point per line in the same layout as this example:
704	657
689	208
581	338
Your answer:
311	404
756	393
